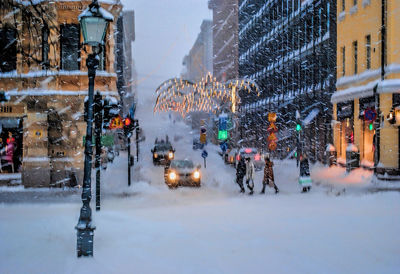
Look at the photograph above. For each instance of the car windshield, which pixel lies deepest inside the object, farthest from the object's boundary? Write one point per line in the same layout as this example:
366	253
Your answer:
182	164
162	147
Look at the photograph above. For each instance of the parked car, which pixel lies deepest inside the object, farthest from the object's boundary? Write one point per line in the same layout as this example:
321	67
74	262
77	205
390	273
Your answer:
254	154
163	152
182	173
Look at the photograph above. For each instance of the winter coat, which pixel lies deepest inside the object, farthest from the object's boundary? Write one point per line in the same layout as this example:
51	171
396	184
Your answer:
304	168
249	170
9	152
268	171
241	168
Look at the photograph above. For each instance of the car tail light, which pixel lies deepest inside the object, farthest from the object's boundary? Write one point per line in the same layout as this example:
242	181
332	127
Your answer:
237	157
248	150
257	157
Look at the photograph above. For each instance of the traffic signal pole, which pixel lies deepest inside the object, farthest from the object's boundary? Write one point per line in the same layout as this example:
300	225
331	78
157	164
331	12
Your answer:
137	140
129	161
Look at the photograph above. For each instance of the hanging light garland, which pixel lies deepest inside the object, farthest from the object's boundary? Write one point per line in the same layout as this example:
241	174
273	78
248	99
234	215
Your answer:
206	95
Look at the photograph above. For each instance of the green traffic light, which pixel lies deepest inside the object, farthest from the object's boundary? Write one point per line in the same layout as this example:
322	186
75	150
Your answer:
298	127
222	134
371	126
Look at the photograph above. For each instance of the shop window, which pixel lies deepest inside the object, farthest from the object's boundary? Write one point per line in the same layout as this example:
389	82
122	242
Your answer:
368	51
8	50
70	48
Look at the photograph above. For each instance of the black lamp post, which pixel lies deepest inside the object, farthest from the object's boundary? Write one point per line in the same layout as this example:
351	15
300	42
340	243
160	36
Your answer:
94	21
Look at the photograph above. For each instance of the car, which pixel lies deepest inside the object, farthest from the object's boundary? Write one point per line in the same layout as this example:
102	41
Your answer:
163	152
229	156
254	154
182	173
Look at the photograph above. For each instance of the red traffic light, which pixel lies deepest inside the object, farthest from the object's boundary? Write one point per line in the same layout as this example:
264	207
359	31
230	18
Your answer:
127	122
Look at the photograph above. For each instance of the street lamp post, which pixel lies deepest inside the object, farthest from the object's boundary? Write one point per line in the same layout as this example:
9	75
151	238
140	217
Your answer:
94	21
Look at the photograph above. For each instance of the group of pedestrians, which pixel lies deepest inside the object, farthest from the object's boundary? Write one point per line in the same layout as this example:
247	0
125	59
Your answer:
245	168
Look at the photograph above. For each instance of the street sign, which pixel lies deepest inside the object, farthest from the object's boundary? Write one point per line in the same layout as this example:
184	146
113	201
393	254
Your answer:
272	128
370	114
272	145
272	137
223	146
106	140
272	117
116	123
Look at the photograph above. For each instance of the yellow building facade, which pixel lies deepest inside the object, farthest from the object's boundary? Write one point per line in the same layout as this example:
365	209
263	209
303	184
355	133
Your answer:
46	83
368	94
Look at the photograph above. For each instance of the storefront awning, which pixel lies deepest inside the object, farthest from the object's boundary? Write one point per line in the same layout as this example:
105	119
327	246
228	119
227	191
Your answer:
313	113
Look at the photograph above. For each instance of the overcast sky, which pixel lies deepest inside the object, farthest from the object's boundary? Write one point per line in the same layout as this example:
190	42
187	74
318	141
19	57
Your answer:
165	32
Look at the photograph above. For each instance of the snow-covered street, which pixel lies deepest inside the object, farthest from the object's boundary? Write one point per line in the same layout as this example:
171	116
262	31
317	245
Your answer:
341	226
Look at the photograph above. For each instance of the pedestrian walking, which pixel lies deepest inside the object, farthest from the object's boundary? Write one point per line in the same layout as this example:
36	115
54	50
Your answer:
240	173
9	152
250	175
268	175
305	177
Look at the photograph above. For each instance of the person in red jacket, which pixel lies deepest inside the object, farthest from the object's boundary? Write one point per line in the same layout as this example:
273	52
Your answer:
9	153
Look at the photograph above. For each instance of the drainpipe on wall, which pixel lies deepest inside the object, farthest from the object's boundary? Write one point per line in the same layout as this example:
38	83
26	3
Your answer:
376	95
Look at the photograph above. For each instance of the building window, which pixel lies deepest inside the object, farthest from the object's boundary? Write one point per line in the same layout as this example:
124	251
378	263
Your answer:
343	50
343	5
8	50
354	2
45	48
355	57
368	50
70	49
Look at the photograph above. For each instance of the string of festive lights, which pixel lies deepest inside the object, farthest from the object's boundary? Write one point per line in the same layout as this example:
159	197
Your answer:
206	95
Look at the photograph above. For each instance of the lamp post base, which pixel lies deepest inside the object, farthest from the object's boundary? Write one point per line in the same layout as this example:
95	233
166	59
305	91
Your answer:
85	240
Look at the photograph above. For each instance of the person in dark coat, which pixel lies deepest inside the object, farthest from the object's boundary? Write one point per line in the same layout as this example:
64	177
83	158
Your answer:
305	180
240	173
268	175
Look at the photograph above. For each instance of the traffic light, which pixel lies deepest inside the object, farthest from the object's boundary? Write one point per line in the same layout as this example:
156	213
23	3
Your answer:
298	125
111	110
128	126
222	127
371	126
222	134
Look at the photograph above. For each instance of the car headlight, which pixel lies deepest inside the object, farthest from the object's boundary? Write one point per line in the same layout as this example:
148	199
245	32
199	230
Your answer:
155	155
171	155
196	174
172	175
